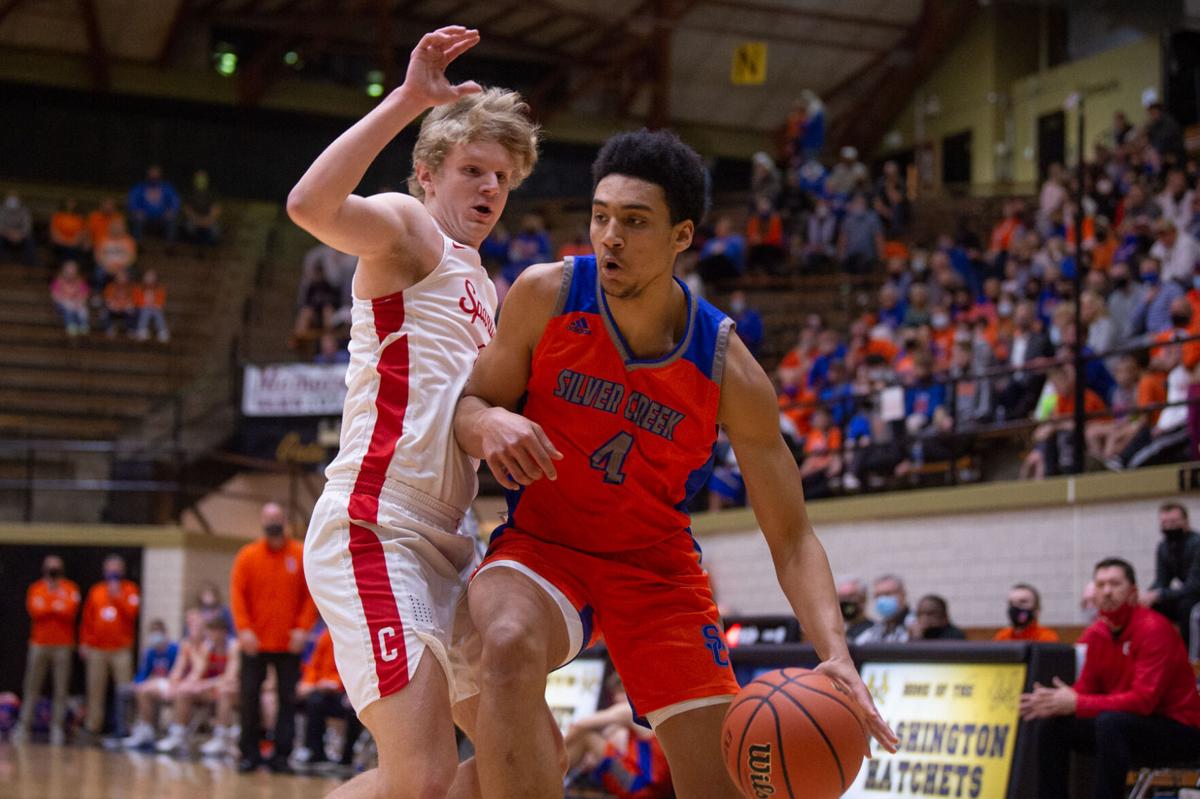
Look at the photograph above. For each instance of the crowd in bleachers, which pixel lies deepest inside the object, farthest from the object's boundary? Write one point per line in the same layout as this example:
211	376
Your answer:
95	256
974	333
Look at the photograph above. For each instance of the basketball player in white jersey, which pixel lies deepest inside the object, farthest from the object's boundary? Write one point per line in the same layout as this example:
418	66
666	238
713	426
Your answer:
382	556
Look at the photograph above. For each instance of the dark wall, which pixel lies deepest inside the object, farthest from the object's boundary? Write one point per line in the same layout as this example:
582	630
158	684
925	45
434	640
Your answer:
20	567
64	136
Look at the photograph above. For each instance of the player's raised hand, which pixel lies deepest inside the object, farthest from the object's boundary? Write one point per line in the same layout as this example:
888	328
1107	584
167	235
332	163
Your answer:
516	449
426	75
843	673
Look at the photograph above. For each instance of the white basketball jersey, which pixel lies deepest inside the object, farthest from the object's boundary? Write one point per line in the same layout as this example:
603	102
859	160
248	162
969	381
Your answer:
410	356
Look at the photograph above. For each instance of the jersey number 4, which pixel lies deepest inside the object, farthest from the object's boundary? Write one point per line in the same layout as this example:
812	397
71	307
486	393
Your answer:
610	457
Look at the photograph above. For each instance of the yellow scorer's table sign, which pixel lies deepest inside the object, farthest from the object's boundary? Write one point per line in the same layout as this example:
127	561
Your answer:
957	725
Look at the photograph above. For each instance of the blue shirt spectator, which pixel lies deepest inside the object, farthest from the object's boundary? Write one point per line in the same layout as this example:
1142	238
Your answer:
813	137
924	399
159	657
727	243
153	198
811	178
1153	313
530	246
749	323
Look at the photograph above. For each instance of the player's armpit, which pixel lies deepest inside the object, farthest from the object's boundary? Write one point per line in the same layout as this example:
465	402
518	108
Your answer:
382	227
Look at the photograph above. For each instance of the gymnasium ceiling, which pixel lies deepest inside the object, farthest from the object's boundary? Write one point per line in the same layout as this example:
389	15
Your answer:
604	57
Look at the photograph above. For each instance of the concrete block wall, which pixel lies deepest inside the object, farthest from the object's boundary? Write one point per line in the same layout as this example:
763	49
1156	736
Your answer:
162	581
969	558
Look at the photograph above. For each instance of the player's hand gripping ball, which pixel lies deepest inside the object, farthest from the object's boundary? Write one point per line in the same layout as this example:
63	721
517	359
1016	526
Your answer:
793	733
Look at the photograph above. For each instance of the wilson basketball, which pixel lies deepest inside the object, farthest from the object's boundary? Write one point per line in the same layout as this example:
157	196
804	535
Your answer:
793	733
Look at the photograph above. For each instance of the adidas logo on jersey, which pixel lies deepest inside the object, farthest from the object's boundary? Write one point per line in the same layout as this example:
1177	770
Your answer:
580	326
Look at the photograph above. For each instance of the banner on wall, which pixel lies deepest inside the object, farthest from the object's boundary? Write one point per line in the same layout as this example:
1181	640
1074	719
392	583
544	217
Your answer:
573	691
957	725
294	389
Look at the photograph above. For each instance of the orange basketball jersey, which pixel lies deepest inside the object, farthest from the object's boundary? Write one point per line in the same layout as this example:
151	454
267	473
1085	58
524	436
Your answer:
636	435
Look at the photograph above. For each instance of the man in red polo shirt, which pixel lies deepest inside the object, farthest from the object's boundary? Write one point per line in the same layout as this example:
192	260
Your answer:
1135	703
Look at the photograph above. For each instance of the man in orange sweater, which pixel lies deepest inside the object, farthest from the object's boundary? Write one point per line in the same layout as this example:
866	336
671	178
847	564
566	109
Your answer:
106	636
1024	605
52	603
323	696
273	612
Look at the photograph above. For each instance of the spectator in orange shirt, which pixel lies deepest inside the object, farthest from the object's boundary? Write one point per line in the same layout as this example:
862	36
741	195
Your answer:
99	222
764	235
68	232
1053	448
273	612
114	254
323	696
119	306
149	298
1024	605
579	244
52	603
106	636
822	454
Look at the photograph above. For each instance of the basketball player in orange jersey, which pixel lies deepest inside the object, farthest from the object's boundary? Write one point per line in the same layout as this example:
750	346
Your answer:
622	378
383	557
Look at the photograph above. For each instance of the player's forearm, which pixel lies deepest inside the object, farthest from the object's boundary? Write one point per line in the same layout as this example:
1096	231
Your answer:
467	430
340	168
807	583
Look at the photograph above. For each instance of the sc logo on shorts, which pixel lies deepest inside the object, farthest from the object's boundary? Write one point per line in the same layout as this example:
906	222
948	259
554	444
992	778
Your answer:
715	644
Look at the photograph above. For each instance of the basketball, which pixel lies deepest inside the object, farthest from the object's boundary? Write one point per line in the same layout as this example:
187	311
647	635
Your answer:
793	733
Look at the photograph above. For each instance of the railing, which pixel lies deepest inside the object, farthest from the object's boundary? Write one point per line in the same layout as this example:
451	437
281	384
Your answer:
994	430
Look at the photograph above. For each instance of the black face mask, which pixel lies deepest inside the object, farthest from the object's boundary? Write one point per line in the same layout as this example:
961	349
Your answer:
53	573
851	610
1020	617
1121	283
1174	532
1179	320
273	530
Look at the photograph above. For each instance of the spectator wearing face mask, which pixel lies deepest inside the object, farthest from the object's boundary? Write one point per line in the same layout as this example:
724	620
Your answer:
933	621
891	608
852	596
1176	587
106	636
1125	297
164	666
1153	313
273	613
749	323
52	603
208	600
1024	606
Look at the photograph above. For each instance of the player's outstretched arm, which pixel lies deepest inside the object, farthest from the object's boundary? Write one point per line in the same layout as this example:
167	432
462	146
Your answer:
750	414
485	422
370	227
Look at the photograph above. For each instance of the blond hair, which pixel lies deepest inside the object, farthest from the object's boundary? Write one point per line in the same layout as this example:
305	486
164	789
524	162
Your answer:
498	115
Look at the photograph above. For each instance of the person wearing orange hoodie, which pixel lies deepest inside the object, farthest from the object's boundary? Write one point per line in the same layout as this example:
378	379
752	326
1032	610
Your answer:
52	603
273	612
106	636
323	696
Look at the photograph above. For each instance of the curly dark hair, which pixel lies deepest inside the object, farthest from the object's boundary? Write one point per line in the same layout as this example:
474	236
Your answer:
659	157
